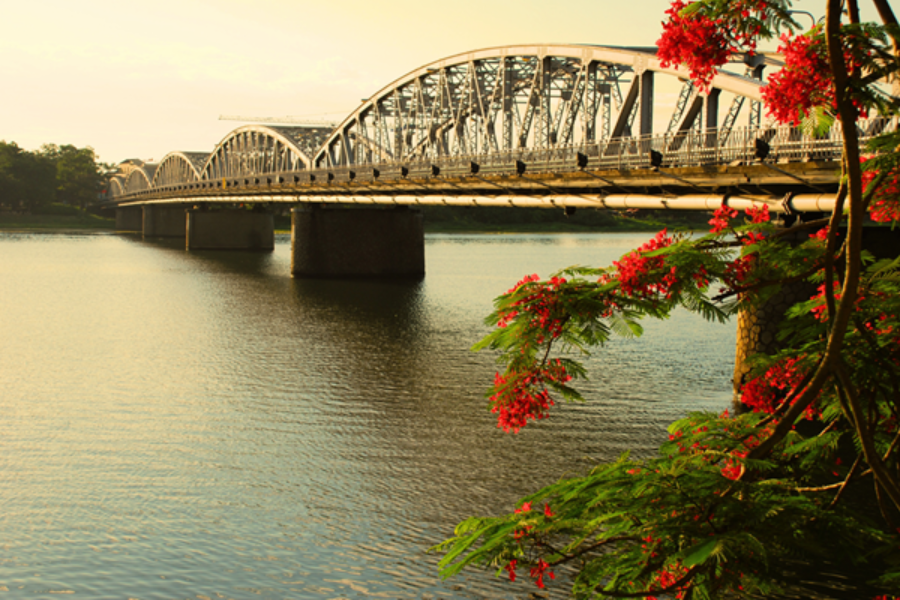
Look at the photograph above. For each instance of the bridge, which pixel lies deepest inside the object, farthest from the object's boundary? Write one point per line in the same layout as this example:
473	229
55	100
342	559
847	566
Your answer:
554	126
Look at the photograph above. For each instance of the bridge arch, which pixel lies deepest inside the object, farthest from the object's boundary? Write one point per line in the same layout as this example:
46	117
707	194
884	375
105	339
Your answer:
116	186
178	168
139	178
517	97
260	149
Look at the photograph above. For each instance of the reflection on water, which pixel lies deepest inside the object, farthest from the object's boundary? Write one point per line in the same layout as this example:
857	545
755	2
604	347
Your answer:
184	425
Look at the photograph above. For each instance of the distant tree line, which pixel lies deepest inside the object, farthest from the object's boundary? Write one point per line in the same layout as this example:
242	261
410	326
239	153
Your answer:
31	182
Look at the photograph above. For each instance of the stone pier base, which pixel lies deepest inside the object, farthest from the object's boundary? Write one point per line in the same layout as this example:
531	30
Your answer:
351	242
163	221
230	230
130	218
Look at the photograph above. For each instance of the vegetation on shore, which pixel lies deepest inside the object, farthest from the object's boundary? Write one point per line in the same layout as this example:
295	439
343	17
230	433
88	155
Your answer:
51	188
54	217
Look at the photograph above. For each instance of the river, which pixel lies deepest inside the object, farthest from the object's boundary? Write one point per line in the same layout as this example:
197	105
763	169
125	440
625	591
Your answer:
202	425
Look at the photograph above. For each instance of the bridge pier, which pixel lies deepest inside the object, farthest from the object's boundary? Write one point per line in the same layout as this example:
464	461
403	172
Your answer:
234	229
129	218
163	221
351	242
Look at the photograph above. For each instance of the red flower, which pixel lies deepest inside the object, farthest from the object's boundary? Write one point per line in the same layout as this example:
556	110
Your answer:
885	203
537	573
704	40
511	569
821	234
720	218
765	393
758	215
644	276
805	82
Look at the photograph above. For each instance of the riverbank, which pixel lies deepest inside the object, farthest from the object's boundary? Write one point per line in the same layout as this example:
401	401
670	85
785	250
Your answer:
56	217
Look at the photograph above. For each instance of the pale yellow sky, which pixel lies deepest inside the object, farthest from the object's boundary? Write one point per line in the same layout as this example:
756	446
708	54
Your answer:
138	80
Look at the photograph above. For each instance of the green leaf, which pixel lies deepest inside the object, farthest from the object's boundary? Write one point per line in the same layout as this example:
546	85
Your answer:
699	553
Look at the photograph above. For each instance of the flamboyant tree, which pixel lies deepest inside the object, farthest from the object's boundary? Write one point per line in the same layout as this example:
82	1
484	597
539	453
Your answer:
811	468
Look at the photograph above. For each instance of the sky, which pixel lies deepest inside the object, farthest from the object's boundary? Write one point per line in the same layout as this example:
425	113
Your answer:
141	79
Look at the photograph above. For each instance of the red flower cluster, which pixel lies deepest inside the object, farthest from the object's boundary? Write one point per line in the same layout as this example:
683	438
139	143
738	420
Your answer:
766	392
737	271
885	203
646	276
511	569
704	42
720	218
540	303
759	214
668	577
524	395
821	234
733	469
803	83
538	571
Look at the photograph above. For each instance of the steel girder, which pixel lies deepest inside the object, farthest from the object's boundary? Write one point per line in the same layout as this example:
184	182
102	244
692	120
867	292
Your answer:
508	98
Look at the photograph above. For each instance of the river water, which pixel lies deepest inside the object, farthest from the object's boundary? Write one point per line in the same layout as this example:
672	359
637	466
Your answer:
202	425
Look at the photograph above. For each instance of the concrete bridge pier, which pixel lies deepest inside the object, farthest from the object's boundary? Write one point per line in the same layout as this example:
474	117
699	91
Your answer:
130	218
230	229
163	221
357	242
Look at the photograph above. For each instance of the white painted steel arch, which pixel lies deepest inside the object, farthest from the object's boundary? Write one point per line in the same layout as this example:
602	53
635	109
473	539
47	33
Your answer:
260	149
178	168
116	186
530	96
139	178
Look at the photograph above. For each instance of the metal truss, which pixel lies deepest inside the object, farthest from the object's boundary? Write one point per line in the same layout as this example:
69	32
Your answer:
256	149
139	178
179	168
116	186
502	99
498	103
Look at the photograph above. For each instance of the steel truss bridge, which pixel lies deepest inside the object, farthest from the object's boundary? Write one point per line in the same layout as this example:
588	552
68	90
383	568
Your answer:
545	125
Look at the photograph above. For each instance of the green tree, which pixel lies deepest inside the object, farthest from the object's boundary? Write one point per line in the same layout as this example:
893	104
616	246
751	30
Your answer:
812	469
79	176
27	180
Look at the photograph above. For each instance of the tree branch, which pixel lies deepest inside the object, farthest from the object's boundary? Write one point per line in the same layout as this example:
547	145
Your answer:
854	236
884	479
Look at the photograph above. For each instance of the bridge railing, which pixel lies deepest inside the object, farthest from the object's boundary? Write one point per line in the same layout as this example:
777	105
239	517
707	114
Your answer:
687	149
672	150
